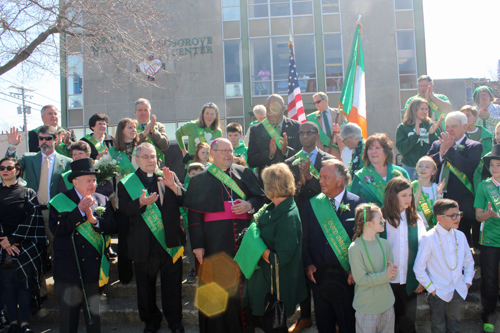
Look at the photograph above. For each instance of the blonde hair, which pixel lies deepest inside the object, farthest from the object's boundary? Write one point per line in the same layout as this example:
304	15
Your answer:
469	108
410	117
278	181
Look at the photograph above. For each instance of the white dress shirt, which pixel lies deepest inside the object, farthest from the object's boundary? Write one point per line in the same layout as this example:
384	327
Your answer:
313	156
328	113
51	169
338	199
442	159
398	237
431	269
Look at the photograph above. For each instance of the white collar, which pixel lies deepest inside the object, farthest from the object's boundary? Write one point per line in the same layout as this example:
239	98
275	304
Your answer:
442	230
50	156
339	197
459	141
314	152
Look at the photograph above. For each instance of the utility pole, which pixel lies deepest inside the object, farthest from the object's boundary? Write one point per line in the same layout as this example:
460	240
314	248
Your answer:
24	109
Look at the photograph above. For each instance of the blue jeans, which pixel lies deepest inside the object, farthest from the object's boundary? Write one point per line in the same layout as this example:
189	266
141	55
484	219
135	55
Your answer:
412	172
15	292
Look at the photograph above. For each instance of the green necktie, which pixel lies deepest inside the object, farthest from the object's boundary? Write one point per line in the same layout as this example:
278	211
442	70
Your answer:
309	155
332	201
328	129
278	128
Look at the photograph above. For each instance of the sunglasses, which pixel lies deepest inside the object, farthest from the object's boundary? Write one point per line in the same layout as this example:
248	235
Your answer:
45	138
317	102
9	168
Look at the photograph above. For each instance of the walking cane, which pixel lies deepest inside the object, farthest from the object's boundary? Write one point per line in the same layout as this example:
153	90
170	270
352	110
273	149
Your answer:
91	322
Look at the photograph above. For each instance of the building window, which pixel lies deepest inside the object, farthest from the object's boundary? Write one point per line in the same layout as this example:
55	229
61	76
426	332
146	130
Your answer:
232	68
407	59
230	10
334	68
279	8
329	6
403	4
75	81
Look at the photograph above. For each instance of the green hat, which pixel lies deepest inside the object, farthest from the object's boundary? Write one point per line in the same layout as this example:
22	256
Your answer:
481	88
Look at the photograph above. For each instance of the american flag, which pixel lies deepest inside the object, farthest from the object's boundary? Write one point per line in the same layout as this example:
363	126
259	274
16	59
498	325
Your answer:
295	105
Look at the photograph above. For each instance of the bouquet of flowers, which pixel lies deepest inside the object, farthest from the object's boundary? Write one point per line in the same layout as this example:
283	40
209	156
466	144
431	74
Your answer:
107	169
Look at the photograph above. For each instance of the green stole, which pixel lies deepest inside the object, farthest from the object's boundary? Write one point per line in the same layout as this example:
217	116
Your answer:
373	183
226	180
126	167
250	251
96	143
333	229
69	185
425	206
460	175
271	130
63	204
152	215
411	279
159	154
312	169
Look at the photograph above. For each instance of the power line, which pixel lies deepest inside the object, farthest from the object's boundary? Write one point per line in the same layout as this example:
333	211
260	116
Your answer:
34	92
20	102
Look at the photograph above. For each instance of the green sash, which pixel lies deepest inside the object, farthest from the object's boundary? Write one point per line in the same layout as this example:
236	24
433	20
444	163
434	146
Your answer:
125	166
323	137
226	180
272	132
201	134
159	154
96	143
411	279
63	204
372	182
312	169
425	206
152	215
69	185
332	228
251	249
460	175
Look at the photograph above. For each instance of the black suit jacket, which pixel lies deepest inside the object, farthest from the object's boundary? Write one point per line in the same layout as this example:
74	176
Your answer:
62	226
311	187
140	237
466	161
258	146
315	247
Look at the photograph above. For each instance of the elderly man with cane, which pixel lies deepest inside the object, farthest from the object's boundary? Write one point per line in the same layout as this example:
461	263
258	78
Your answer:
78	219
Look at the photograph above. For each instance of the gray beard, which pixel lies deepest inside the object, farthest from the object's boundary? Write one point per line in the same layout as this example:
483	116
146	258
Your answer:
45	149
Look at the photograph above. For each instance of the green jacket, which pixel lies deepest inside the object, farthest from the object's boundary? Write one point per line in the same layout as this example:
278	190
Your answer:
31	163
413	146
486	139
281	231
190	130
482	172
241	150
359	190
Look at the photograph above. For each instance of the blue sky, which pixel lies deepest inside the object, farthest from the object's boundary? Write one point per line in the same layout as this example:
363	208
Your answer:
459	38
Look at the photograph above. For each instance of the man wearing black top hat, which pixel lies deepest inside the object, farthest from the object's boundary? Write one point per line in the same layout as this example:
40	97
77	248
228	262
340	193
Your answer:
328	227
78	219
157	238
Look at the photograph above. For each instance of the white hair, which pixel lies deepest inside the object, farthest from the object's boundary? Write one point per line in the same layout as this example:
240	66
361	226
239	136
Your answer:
351	129
259	109
458	116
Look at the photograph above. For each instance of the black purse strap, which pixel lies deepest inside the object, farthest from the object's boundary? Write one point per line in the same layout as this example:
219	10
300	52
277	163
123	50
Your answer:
276	260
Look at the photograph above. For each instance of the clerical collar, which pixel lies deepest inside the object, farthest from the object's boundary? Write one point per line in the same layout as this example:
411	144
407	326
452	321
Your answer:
148	176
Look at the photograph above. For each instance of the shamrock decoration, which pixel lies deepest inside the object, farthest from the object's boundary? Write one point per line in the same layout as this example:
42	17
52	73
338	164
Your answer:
100	210
344	207
460	147
396	173
159	173
368	179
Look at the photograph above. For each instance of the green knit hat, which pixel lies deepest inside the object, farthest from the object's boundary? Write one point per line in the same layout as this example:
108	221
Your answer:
482	88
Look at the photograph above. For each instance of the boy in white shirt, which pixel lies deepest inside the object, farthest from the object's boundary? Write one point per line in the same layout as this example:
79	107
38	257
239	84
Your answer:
443	253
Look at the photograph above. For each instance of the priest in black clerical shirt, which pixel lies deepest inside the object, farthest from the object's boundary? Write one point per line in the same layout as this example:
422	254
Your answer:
221	200
157	238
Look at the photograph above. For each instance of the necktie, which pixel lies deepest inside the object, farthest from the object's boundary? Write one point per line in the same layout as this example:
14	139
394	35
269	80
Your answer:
278	128
43	187
328	129
332	201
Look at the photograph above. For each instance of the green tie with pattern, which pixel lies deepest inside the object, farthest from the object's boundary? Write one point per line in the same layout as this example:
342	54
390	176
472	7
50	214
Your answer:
332	201
328	129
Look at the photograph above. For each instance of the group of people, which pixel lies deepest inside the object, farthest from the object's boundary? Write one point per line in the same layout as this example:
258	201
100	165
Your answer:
310	212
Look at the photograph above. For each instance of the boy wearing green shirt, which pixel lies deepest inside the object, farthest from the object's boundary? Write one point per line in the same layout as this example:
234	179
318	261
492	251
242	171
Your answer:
234	135
487	205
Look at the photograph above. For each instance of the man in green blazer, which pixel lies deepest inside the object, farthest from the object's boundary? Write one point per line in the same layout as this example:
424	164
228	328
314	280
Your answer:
33	163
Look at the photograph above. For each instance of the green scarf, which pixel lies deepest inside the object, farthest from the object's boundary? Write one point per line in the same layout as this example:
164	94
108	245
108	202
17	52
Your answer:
272	132
96	143
226	180
302	156
126	167
425	206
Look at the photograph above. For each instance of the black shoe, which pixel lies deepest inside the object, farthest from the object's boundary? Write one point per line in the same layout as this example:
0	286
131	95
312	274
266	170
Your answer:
26	329
177	328
14	328
151	328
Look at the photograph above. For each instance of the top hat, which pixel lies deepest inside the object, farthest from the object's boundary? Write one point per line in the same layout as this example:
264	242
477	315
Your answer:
494	155
332	281
82	167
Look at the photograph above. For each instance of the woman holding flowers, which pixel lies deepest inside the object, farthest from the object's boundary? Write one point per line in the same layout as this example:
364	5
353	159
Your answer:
369	183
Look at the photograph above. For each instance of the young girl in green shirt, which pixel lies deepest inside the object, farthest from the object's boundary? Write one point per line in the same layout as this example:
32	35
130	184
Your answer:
371	259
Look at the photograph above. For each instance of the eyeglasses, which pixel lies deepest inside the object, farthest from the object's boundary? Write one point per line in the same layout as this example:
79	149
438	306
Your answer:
454	216
45	138
301	133
224	151
9	168
317	102
484	95
148	157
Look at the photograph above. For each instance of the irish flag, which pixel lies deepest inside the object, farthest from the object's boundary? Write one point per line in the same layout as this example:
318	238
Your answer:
353	98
